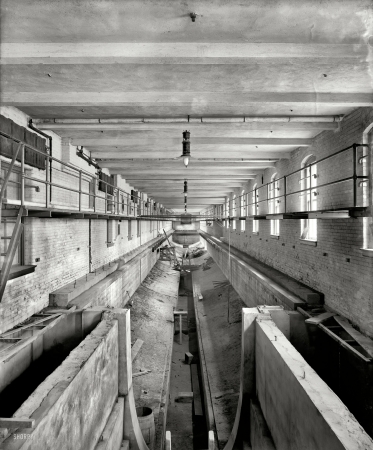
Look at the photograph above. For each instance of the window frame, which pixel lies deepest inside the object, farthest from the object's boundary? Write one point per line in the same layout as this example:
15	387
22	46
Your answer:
243	210
308	227
273	188
255	209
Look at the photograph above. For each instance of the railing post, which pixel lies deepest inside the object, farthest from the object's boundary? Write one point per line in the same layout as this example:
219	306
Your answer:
47	188
118	202
285	205
80	190
354	158
94	193
22	175
105	198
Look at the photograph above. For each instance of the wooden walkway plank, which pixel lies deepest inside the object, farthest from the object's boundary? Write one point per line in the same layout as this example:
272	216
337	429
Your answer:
316	320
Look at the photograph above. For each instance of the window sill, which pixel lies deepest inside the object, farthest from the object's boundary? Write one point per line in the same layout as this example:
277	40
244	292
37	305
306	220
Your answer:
19	271
109	244
256	233
308	242
367	252
274	236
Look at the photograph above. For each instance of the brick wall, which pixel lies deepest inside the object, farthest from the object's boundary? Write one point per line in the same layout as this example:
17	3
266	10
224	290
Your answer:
63	248
336	266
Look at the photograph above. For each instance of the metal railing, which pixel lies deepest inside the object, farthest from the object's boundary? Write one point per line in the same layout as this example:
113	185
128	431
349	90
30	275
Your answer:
351	190
111	199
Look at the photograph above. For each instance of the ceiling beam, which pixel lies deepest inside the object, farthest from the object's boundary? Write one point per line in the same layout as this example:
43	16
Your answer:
192	184
189	176
164	127
169	143
201	193
244	154
175	53
194	164
100	99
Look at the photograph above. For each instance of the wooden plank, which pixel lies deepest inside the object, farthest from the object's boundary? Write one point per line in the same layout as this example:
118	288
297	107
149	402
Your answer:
182	313
31	324
197	401
184	397
188	358
316	320
136	348
363	341
138	374
16	422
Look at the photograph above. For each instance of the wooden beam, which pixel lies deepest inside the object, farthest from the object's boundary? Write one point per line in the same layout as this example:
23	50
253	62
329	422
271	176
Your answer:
136	348
99	99
177	53
316	320
16	422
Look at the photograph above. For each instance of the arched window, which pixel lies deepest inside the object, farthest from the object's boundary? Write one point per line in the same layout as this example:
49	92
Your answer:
274	207
309	197
255	208
243	210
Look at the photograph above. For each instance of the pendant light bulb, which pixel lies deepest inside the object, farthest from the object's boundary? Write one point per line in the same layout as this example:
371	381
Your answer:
186	161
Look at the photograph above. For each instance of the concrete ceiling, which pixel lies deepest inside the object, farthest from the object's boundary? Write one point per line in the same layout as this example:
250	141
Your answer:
84	69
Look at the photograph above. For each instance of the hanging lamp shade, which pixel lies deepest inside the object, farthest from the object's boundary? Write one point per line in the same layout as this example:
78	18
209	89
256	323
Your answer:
186	148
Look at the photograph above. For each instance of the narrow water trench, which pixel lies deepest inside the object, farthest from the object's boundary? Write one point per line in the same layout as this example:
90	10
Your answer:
185	418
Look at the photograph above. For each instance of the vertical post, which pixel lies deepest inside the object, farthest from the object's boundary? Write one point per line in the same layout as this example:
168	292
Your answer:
118	202
181	328
94	193
80	190
105	197
285	206
22	175
211	439
47	191
354	150
168	440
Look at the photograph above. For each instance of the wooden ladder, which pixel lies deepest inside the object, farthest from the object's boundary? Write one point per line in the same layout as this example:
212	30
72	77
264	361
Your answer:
18	227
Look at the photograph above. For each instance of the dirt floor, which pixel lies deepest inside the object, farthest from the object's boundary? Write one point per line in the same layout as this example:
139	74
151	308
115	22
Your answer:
219	314
152	322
